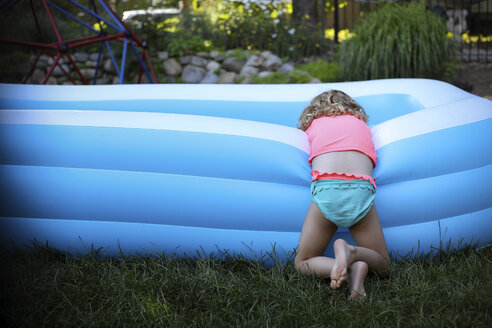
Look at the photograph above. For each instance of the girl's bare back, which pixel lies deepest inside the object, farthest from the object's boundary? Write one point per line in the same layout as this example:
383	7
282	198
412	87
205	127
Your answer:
351	162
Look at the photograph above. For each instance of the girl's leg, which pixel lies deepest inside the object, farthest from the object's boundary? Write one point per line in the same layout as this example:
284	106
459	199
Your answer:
316	234
357	275
371	248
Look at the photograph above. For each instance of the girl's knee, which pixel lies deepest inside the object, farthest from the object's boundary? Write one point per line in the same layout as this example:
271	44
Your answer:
299	263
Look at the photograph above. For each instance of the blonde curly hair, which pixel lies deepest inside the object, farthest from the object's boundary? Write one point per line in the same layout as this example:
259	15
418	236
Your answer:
330	103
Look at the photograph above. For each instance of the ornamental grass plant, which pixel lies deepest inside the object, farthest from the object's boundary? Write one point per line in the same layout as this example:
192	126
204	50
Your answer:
399	40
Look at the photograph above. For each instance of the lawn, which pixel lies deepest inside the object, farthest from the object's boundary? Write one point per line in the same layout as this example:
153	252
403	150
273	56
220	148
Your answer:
43	287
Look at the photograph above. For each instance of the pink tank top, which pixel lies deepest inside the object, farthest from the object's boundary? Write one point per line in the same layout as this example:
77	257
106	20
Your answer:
340	133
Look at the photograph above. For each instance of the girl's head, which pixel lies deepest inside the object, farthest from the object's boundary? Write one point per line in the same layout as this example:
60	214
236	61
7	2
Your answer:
331	103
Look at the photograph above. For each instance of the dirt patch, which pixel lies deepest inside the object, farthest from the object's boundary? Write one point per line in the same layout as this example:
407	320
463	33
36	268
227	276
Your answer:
475	78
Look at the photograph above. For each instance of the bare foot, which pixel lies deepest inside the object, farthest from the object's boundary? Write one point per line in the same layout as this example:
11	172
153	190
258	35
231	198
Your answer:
343	259
358	272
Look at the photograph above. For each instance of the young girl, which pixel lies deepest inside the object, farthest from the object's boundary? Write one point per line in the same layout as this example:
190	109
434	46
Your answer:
343	191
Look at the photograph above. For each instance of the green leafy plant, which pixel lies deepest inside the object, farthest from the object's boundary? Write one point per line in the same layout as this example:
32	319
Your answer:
398	40
296	76
180	44
274	78
325	71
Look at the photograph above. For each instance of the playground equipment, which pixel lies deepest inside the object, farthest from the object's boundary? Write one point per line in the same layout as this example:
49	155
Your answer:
106	27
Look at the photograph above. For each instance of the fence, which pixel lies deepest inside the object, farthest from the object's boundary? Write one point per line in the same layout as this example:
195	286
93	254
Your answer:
469	21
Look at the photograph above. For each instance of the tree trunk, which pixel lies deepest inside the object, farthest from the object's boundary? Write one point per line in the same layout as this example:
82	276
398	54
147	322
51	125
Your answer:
186	5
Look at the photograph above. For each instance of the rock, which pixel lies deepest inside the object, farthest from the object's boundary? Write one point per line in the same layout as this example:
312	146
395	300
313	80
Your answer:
108	66
170	79
57	72
249	71
37	76
264	74
45	58
286	68
42	63
227	77
265	54
210	78
81	57
88	73
52	81
163	55
255	61
94	57
214	54
91	63
198	61
213	66
192	74
220	58
203	54
102	80
272	63
185	60
233	64
172	67
315	80
246	80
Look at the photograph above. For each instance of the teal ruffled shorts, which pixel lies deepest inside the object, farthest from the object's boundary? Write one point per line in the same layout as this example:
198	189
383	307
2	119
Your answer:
343	202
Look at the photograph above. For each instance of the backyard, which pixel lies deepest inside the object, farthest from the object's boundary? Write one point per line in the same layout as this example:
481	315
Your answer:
449	287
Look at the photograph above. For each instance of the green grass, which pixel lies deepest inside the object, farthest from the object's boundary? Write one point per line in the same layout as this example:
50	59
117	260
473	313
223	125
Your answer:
43	287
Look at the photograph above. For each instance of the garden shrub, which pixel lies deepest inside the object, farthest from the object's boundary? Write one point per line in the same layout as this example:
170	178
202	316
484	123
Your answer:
398	40
180	44
296	76
325	71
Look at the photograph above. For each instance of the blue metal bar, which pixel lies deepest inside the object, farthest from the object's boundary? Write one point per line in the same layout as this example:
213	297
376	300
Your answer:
101	27
98	62
123	60
72	16
112	58
97	16
110	12
8	6
142	64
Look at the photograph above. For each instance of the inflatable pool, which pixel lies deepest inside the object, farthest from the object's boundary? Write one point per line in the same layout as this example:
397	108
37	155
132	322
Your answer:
221	169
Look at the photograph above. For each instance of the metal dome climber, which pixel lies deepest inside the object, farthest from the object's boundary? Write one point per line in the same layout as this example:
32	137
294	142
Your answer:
105	21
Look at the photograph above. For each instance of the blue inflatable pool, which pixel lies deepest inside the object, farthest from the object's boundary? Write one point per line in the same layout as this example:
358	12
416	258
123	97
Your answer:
218	169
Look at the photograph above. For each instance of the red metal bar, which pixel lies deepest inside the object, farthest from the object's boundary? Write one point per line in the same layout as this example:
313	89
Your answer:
67	74
36	20
52	20
58	55
30	43
82	77
82	39
31	70
106	38
149	63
